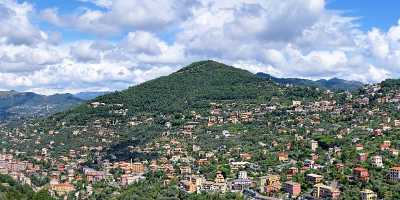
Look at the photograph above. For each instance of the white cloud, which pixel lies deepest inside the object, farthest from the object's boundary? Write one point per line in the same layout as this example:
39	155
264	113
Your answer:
377	74
142	42
84	51
379	45
273	20
120	15
16	27
152	38
23	58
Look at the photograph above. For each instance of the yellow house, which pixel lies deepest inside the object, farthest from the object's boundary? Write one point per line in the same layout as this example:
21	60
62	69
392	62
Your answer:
368	195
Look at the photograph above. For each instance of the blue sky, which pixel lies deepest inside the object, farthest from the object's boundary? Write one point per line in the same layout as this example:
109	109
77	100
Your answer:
382	14
90	45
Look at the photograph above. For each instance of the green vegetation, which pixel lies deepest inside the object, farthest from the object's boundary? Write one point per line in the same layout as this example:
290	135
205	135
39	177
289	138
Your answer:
11	190
230	115
190	89
15	105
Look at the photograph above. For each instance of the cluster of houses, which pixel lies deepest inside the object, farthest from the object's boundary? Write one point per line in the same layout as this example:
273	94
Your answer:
237	169
63	177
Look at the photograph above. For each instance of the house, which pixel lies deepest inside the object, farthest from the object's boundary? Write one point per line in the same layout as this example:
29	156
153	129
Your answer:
314	145
396	122
314	156
394	152
212	120
322	191
339	166
188	186
219	178
337	151
292	171
209	186
359	147
245	156
62	188
293	188
220	182
360	174
128	179
283	156
368	195
385	145
246	117
261	183
196	148
296	103
377	161
377	132
185	169
202	162
238	165
272	184
362	156
314	178
192	183
135	168
243	182
394	174
168	168
93	176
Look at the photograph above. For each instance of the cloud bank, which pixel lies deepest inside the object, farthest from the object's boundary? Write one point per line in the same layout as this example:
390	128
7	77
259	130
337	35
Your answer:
133	41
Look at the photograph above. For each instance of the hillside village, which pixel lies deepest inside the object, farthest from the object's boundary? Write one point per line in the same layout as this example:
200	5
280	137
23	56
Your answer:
317	145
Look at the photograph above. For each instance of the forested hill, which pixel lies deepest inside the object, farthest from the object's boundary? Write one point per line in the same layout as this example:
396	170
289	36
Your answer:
24	105
138	114
331	84
192	87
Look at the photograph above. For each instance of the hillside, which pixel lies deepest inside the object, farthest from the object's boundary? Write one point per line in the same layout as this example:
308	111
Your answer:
207	118
331	84
23	105
12	190
151	104
193	87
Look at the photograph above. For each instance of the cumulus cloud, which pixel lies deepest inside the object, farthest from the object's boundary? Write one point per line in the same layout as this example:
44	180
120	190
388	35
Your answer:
26	59
273	20
148	39
378	44
120	15
142	42
16	27
85	51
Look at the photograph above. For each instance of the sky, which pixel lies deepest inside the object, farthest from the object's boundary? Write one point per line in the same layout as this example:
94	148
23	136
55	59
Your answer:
105	45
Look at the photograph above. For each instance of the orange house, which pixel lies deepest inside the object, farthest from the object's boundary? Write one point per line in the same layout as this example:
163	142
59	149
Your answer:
361	174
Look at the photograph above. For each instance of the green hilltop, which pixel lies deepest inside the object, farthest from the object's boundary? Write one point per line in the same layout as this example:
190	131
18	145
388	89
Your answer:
192	87
169	98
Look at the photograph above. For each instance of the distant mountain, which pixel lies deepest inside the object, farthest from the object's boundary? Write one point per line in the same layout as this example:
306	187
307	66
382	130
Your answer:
331	84
89	95
22	105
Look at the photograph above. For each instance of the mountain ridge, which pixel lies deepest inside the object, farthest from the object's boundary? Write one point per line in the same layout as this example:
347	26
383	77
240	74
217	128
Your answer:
24	105
330	84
